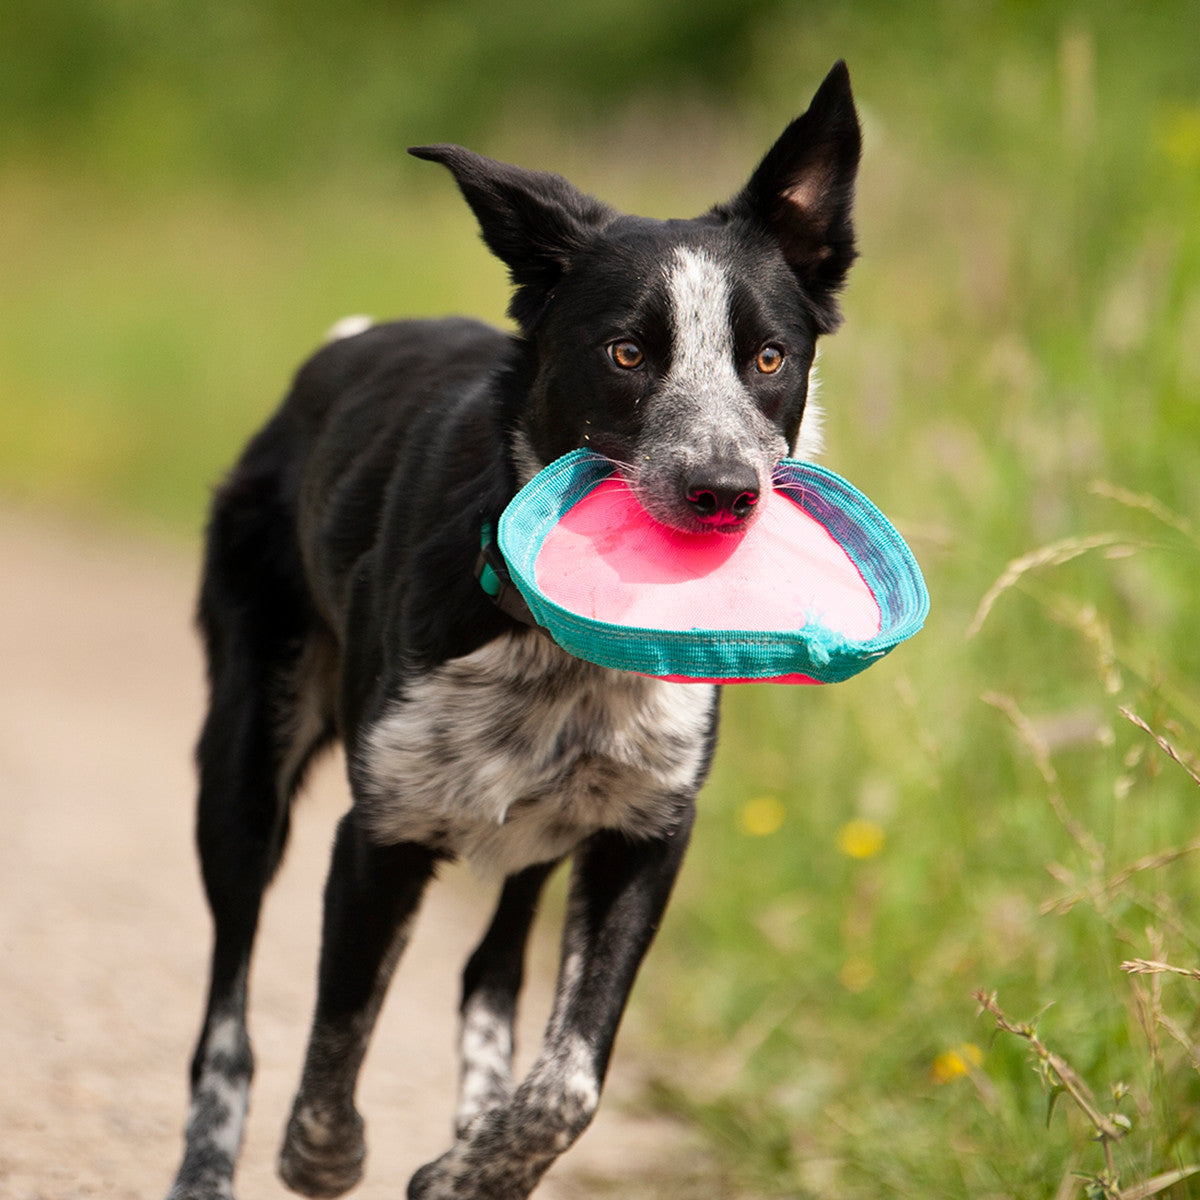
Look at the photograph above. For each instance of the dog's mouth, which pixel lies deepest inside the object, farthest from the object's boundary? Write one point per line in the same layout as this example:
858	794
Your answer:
699	509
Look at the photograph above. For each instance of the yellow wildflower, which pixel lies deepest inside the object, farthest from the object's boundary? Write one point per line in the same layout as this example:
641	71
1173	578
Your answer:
761	816
860	838
952	1064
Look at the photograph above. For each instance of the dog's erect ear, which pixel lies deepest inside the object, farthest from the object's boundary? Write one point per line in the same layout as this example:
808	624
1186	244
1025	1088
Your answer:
803	193
533	221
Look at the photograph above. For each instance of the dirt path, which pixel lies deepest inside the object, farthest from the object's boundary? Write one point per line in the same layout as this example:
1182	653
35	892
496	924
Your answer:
103	935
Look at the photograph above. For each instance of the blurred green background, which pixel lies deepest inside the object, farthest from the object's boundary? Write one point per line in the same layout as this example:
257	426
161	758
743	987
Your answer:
192	192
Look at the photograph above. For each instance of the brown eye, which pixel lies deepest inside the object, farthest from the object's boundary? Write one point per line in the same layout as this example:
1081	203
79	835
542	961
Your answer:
770	359
627	355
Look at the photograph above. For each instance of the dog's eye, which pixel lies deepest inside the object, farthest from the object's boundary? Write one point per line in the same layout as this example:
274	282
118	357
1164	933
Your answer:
770	359
626	354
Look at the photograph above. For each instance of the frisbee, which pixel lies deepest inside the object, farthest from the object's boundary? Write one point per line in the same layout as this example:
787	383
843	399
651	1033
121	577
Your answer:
815	590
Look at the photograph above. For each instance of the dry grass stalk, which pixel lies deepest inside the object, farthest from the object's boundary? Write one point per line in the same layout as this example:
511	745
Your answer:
1144	966
1180	1035
1096	631
1160	1183
1053	555
1108	1129
1145	502
1099	889
1163	743
1040	753
1148	1002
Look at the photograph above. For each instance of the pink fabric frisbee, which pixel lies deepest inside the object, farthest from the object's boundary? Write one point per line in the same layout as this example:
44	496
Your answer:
607	560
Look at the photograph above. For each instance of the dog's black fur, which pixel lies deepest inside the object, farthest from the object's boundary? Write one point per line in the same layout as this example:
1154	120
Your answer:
339	600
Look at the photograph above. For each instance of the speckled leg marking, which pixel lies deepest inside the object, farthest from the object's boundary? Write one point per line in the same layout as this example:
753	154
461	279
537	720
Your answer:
219	1100
618	892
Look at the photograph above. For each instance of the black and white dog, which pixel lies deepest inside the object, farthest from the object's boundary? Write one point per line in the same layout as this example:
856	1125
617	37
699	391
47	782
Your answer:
340	600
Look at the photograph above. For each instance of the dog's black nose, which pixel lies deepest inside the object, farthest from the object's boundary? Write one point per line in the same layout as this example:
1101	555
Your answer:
724	496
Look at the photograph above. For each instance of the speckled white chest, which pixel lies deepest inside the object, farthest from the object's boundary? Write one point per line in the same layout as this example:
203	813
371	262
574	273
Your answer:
513	754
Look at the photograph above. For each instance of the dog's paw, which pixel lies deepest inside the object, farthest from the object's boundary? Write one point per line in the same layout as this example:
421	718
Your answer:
453	1177
322	1156
430	1183
462	1173
207	1188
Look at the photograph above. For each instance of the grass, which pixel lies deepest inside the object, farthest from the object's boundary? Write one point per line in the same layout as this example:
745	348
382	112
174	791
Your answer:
1015	386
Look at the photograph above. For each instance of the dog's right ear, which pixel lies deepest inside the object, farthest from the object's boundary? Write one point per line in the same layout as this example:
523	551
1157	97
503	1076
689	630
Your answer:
803	192
533	221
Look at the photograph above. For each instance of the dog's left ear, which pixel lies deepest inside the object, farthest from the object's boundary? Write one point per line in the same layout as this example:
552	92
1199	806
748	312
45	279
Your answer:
803	193
533	221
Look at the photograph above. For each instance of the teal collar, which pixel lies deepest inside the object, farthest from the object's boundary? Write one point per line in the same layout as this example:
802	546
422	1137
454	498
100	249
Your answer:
492	572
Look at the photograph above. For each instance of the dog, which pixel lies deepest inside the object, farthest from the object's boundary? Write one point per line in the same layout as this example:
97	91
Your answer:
340	599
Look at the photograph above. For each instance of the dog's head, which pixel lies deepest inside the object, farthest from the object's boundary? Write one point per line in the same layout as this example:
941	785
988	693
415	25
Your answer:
679	349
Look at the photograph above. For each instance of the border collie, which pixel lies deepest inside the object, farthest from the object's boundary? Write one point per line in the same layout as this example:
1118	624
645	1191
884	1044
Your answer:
340	599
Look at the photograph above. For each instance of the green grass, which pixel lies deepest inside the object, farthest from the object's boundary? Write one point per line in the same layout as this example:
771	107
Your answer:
1024	324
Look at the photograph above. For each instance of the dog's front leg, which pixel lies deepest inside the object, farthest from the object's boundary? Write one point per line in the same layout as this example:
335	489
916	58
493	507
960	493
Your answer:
618	891
371	899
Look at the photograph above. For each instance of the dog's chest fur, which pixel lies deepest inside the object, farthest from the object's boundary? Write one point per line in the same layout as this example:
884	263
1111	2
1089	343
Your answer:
512	754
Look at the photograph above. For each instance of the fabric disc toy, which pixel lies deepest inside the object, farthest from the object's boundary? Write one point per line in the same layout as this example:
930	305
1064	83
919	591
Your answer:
817	589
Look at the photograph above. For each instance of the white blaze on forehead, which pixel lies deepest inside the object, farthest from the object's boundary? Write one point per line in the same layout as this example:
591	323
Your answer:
701	336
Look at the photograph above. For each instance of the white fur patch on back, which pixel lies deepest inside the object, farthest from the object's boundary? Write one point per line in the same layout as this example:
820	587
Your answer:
349	327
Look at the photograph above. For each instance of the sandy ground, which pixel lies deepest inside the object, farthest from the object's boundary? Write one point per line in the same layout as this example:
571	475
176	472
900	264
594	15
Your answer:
104	937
